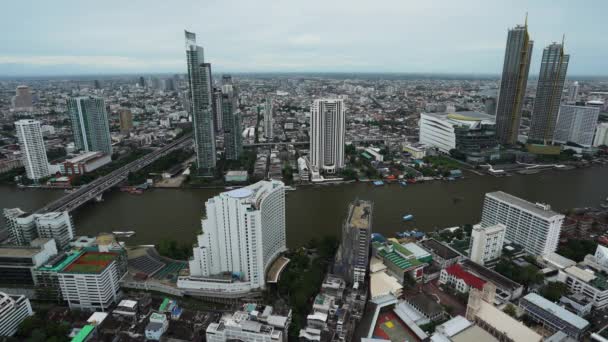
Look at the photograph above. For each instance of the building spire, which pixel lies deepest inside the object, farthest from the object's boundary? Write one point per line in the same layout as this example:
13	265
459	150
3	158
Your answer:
526	22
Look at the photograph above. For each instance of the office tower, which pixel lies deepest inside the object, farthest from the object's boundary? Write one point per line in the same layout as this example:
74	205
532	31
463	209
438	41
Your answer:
601	135
327	129
126	120
243	232
352	257
226	79
96	84
533	226
14	309
90	282
202	114
490	105
90	124
268	120
217	110
154	83
141	83
486	243
576	124
231	122
168	84
573	91
513	84
554	65
33	152
22	102
23	228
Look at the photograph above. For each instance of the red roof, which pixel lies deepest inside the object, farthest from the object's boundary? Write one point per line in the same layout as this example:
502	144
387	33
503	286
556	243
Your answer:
468	278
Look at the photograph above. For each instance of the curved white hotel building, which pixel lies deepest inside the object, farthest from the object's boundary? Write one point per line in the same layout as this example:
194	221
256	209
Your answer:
243	232
327	130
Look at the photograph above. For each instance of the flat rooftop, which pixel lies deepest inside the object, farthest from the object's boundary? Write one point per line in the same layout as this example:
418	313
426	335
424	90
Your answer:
485	273
276	269
18	251
557	310
360	214
90	262
511	327
522	203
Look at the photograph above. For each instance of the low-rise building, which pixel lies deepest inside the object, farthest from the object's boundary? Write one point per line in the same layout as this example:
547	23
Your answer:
13	310
553	316
591	283
442	254
486	243
417	151
236	177
400	261
577	303
426	306
459	329
506	289
84	163
157	326
244	326
461	280
17	263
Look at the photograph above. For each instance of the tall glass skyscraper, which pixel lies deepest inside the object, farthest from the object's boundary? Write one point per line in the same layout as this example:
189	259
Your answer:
513	84
199	80
549	91
231	122
90	124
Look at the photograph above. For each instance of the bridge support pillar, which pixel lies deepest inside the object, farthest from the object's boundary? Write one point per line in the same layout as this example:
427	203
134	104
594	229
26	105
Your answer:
99	198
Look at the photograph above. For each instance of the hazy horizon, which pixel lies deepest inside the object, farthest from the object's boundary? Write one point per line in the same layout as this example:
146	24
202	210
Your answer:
467	37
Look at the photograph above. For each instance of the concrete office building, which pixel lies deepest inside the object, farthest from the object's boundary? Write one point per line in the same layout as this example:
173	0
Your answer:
513	84
90	124
327	130
33	152
242	326
552	316
268	119
553	68
243	233
199	80
90	282
17	263
601	135
352	258
13	311
231	122
486	243
534	226
24	227
23	102
573	91
588	280
126	120
576	124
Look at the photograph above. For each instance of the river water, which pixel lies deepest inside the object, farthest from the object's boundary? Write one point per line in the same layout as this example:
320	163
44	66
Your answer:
316	211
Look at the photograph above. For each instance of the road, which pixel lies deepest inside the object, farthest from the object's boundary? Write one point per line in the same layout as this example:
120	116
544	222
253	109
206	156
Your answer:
89	191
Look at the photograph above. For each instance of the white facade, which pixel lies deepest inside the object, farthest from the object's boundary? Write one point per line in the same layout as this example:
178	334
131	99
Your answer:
486	243
327	131
239	327
243	232
573	92
13	310
584	282
95	291
576	124
55	225
534	226
268	120
437	129
33	152
157	327
601	134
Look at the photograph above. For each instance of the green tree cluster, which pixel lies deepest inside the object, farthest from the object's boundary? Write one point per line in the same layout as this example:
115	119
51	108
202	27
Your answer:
171	249
577	249
553	291
38	329
527	275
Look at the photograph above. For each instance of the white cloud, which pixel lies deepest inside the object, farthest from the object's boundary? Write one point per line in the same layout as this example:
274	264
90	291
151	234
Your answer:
305	40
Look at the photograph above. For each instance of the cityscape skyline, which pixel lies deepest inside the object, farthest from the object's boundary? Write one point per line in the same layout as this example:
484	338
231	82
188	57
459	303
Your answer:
292	42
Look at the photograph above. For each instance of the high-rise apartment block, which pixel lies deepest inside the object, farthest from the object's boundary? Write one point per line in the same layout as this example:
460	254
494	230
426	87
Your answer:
576	124
268	119
601	134
199	80
533	226
126	120
13	311
352	258
23	227
553	68
90	124
327	131
33	151
486	243
217	110
243	233
22	102
231	122
513	84
573	91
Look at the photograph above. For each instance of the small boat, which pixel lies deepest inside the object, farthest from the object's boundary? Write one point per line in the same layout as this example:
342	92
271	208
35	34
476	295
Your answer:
290	188
408	217
378	183
403	183
124	234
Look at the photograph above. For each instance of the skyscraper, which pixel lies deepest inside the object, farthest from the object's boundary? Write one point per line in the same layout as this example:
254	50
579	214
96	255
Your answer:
231	122
90	124
33	152
576	124
217	110
268	120
513	84
554	65
126	120
243	232
327	130
352	257
533	226
199	78
22	102
573	90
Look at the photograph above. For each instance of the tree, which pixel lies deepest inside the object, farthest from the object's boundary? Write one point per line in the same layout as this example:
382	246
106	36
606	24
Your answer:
510	310
553	291
577	249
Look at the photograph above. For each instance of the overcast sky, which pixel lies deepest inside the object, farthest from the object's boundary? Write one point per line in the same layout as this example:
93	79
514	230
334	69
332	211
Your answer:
451	36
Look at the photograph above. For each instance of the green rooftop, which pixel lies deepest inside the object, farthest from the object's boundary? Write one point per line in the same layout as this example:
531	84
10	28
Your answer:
163	306
71	256
83	333
401	249
600	281
398	260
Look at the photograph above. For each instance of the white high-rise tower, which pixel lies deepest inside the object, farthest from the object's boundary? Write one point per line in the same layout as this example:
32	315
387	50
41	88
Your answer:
33	152
327	130
268	120
243	232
